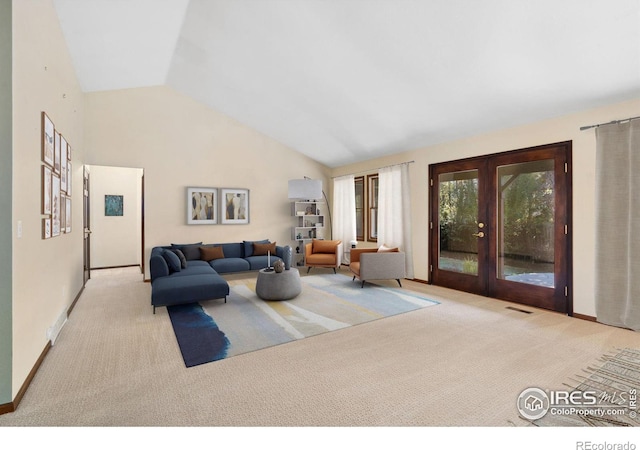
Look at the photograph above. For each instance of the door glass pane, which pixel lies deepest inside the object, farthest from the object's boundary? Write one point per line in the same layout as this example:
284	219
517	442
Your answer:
458	221
526	211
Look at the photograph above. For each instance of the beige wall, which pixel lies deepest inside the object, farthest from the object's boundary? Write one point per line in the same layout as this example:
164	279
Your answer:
116	240
47	274
555	130
180	143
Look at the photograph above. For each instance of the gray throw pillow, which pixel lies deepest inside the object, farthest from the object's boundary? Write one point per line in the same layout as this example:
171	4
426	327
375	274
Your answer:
190	251
183	259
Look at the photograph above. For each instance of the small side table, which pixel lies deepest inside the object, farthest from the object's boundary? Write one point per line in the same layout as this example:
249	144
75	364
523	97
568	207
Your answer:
272	285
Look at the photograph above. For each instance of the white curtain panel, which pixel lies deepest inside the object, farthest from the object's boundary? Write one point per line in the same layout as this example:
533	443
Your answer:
344	212
394	211
618	224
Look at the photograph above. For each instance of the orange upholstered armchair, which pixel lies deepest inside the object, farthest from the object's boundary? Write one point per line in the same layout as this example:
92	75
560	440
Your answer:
323	253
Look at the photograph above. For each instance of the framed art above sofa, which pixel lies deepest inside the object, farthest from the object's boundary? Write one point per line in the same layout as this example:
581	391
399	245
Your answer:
202	206
235	206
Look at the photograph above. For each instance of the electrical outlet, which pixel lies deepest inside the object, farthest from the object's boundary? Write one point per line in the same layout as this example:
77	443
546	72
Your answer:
19	227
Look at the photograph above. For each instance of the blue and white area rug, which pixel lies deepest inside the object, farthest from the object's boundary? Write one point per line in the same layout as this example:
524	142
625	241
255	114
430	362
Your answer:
213	330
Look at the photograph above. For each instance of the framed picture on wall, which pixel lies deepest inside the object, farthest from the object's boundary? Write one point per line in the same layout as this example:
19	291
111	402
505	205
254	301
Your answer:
46	190
48	132
63	171
46	228
61	150
235	206
67	212
63	215
56	209
114	205
202	206
69	178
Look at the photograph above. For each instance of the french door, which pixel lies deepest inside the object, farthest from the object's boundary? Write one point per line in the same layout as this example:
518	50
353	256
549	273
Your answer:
500	226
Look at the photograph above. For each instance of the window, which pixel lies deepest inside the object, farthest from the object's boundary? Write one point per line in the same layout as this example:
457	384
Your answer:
360	202
372	202
367	207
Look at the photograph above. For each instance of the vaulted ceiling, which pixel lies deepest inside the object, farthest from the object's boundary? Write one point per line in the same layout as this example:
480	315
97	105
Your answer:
349	80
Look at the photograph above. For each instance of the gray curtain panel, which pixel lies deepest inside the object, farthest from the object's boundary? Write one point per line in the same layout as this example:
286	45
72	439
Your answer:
618	224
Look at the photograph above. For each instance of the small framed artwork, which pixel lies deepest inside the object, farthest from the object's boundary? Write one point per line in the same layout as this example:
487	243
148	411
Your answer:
48	132
113	205
46	190
69	177
46	228
63	215
56	209
202	206
67	212
63	172
235	206
61	150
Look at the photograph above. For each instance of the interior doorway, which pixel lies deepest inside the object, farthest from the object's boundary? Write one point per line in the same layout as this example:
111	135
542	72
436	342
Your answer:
86	225
500	226
114	216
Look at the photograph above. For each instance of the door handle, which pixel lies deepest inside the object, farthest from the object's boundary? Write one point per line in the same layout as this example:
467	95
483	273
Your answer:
479	234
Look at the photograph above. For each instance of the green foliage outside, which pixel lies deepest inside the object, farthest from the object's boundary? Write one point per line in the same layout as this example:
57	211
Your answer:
526	209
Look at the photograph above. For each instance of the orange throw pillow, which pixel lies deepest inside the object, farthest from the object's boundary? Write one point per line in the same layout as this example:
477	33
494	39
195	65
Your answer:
211	253
262	249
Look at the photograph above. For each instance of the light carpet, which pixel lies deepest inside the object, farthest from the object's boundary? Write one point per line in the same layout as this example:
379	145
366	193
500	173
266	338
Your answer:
604	394
213	330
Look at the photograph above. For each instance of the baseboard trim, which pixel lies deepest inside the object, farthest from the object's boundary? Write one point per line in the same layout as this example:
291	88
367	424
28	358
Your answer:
116	267
11	407
7	408
585	317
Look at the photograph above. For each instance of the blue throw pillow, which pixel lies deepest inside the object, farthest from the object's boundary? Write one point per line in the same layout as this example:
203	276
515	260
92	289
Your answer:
183	259
172	260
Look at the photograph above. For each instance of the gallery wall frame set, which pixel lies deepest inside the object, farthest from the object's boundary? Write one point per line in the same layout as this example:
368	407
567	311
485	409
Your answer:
56	170
210	206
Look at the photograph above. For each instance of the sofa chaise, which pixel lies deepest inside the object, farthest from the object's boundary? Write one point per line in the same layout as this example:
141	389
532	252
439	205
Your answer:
188	273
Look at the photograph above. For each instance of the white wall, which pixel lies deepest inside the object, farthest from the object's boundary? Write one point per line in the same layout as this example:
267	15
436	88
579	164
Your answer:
559	129
116	240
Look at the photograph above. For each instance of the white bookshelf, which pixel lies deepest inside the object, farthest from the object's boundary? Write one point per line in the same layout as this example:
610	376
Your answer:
309	217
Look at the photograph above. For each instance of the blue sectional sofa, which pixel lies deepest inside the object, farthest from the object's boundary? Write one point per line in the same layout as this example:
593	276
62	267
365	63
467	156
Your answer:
188	273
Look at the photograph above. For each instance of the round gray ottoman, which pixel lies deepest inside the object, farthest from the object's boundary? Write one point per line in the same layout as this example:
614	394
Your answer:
278	286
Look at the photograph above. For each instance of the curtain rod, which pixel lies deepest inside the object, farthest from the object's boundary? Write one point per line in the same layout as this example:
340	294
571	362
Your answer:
373	170
608	123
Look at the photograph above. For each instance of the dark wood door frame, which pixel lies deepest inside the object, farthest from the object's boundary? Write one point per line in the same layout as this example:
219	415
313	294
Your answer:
487	283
